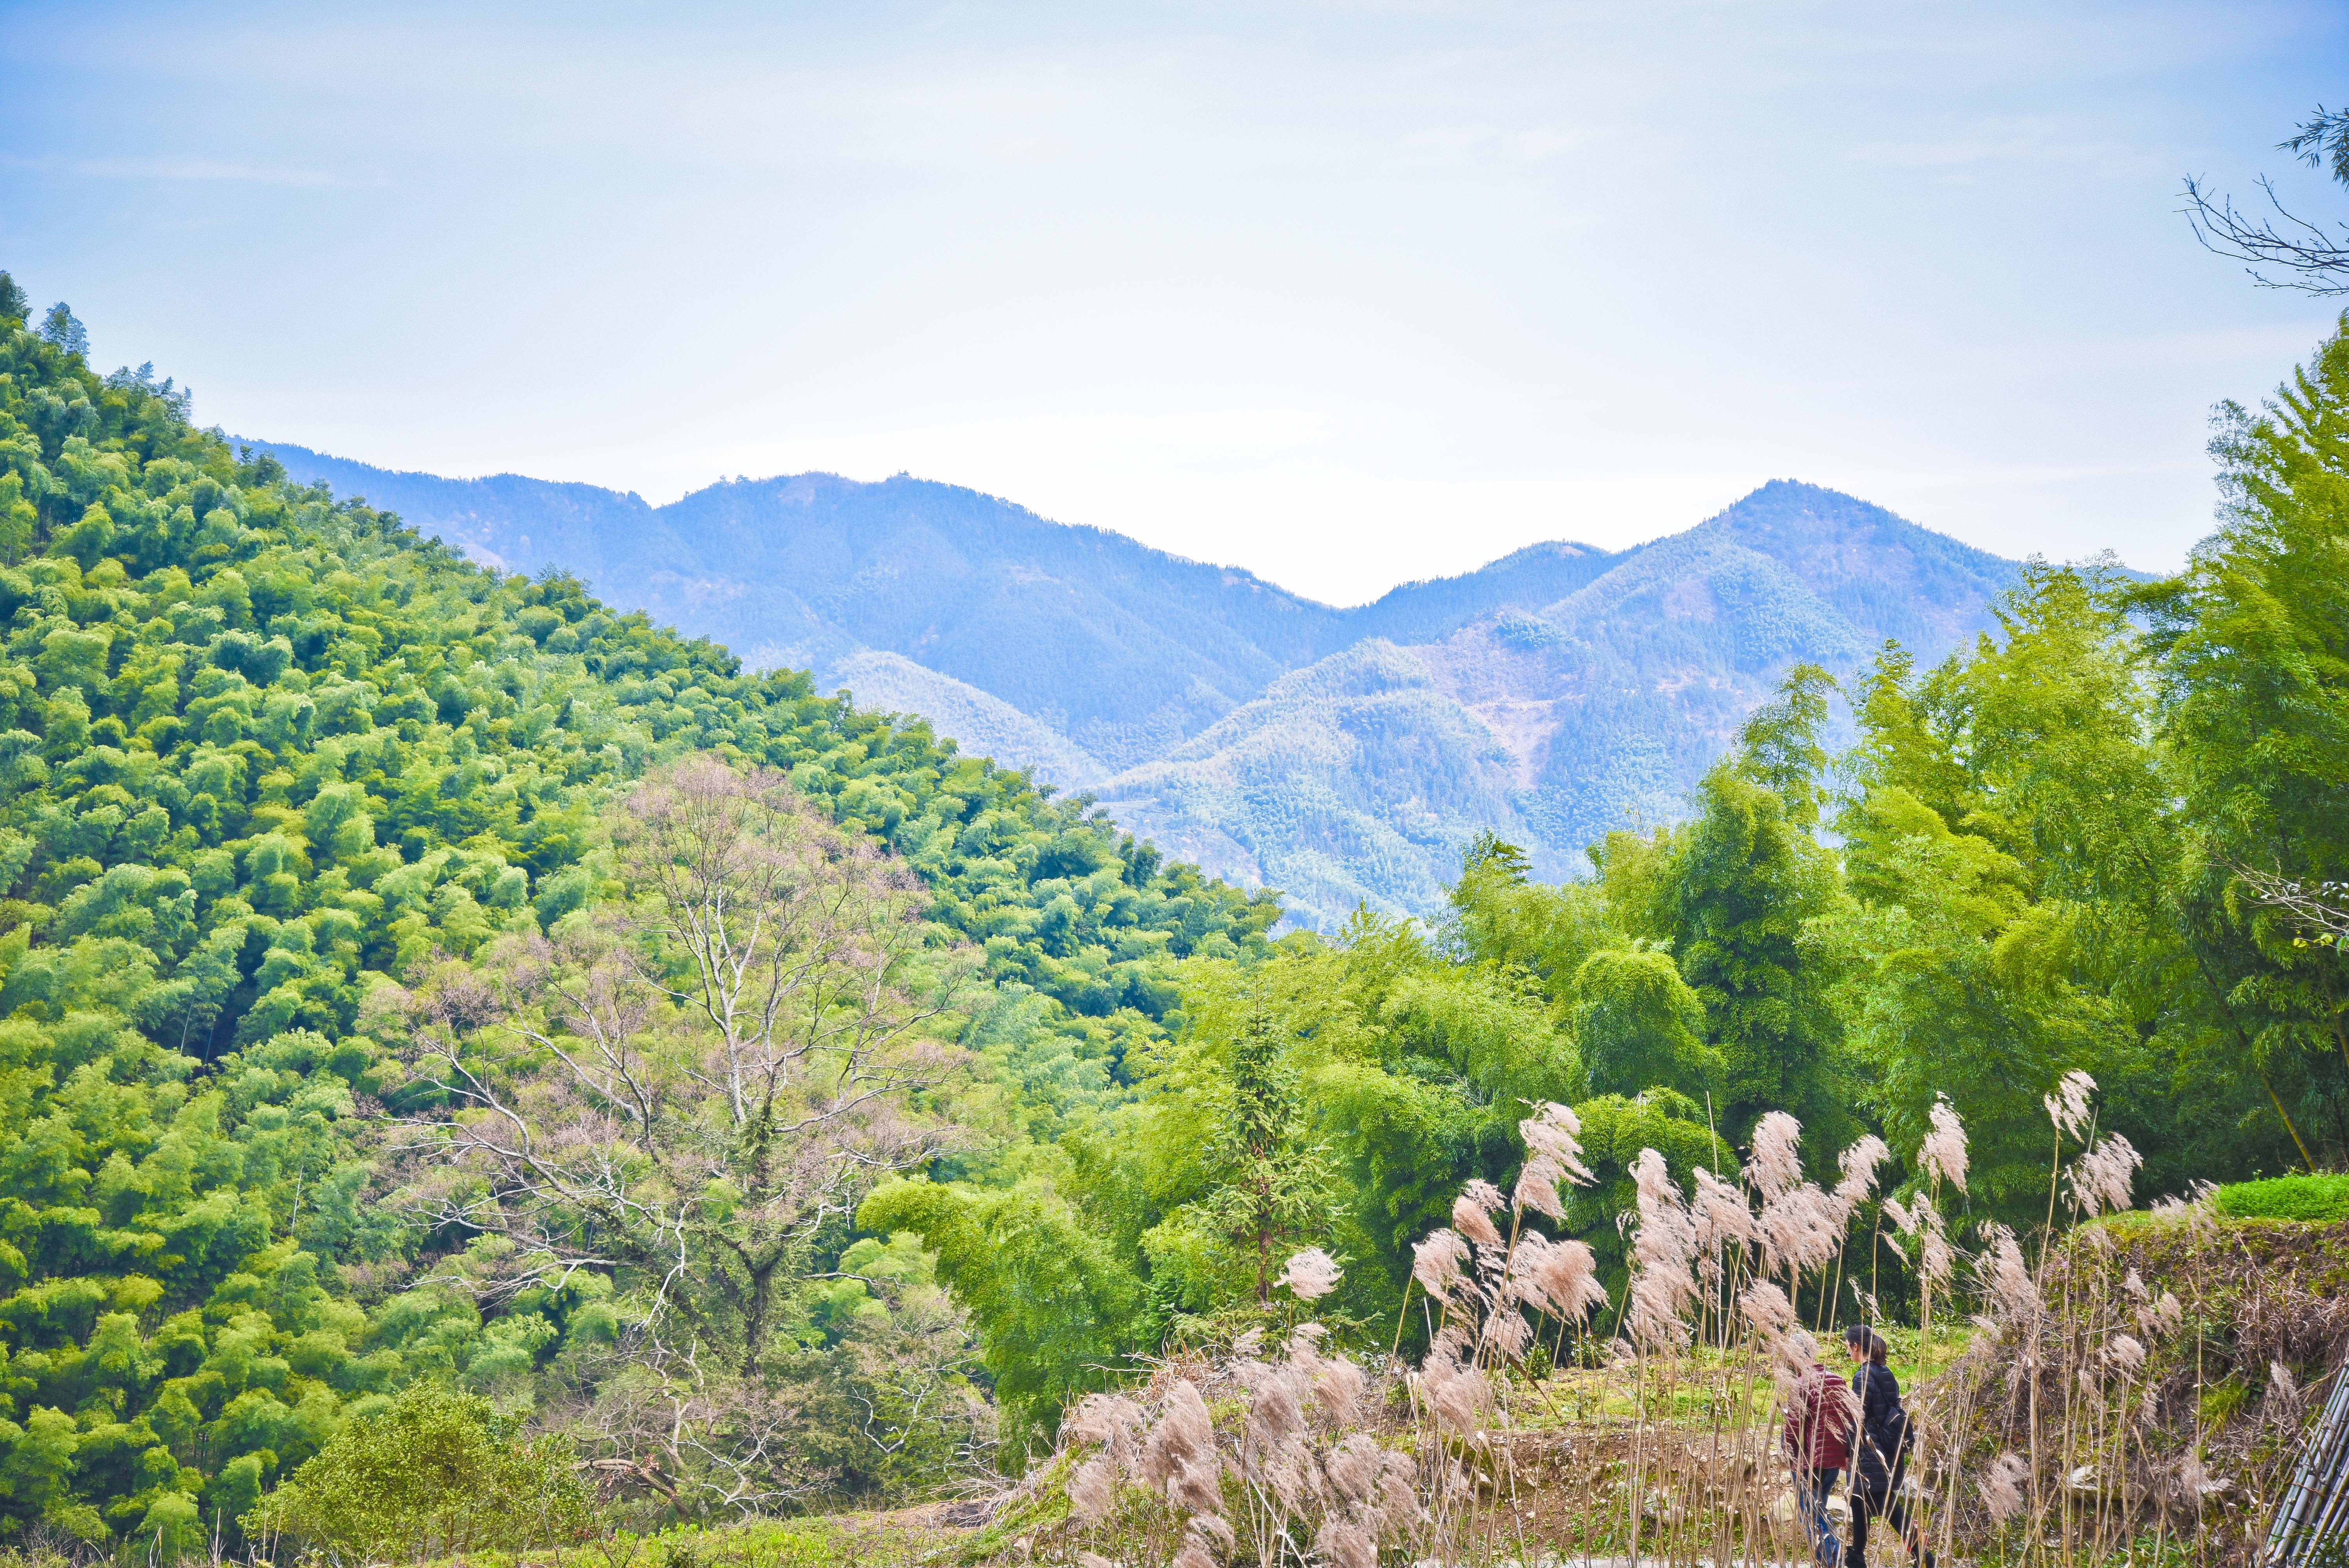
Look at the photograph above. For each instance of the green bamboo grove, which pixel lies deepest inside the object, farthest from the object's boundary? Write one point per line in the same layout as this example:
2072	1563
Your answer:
260	751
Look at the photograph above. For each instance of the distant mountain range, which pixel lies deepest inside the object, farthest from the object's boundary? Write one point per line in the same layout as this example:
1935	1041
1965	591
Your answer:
1341	755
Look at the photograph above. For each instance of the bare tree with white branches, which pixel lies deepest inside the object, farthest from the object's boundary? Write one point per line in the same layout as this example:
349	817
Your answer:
2318	910
679	1091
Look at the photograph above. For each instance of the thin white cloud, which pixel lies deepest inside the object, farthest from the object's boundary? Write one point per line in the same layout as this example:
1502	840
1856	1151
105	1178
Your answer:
1483	144
2012	142
172	170
1883	481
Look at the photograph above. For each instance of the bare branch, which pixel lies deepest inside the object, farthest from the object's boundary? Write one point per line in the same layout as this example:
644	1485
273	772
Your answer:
2285	251
2319	910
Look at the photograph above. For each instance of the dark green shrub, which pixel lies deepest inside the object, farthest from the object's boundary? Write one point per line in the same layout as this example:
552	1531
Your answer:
2322	1198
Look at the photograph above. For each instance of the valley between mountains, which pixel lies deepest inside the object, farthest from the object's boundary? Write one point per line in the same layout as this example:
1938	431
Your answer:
1343	756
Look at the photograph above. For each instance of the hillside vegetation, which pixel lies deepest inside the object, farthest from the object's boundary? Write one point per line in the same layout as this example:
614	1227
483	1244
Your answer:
263	751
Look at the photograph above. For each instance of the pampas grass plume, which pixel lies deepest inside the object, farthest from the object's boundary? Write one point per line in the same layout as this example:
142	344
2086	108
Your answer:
1458	1394
1398	1502
1768	1310
1279	1408
1663	1248
1777	1160
1942	1157
1554	1132
2002	1487
1182	1435
1858	1164
1111	1420
1557	1277
1721	1213
1093	1489
1507	1332
2006	1279
2104	1178
1537	1187
1338	1383
1435	1263
1800	1228
1472	1212
2069	1106
1311	1274
1346	1544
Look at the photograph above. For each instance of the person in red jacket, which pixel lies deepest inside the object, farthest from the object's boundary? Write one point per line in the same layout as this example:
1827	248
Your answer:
1819	1445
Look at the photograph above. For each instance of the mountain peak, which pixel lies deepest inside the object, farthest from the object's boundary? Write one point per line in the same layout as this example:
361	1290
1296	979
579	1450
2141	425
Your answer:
1338	754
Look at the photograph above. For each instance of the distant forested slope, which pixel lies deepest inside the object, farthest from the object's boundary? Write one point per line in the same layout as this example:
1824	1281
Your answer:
1120	648
1342	756
1359	778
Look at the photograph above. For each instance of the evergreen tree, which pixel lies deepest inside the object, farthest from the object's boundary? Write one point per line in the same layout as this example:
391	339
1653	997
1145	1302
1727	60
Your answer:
2012	841
63	333
1237	1178
1274	1187
1491	857
1059	1313
1638	1026
1743	880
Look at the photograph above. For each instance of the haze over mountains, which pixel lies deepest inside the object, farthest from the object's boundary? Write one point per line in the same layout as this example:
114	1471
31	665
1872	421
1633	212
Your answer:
1341	755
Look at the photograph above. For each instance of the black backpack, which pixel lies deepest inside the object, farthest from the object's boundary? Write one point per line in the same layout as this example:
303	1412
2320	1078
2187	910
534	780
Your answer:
1884	1435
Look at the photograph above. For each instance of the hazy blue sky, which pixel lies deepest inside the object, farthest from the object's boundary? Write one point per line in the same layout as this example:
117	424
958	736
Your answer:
1346	293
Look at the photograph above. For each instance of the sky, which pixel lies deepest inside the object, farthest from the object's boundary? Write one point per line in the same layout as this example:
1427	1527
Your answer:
1345	293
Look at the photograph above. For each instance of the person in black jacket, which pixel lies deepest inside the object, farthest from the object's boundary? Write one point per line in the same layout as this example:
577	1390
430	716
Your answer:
1879	1450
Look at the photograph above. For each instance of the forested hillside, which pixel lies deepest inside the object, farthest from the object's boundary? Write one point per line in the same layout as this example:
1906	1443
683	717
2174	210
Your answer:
1551	721
433	1004
265	755
1340	756
1120	648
